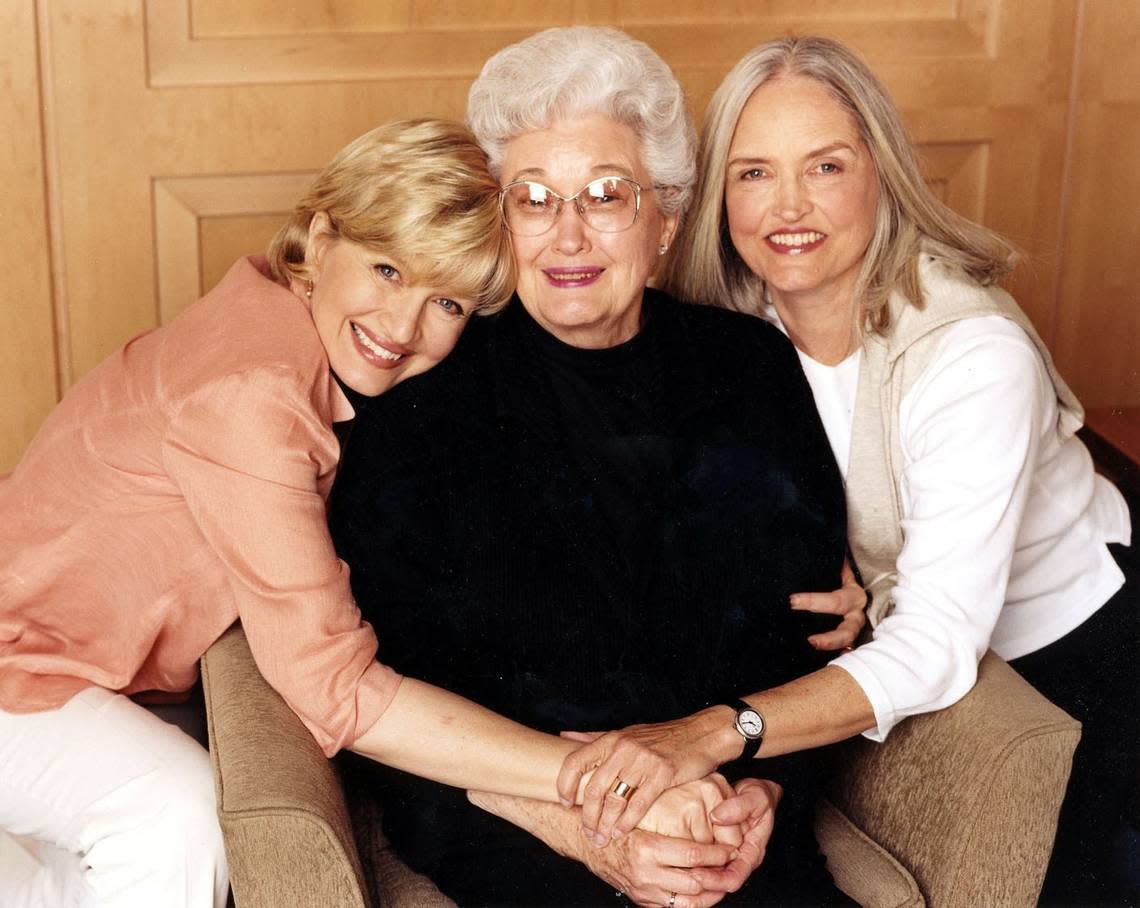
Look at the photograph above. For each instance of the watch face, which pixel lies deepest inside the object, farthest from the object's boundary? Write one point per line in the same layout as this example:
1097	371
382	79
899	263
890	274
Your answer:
750	723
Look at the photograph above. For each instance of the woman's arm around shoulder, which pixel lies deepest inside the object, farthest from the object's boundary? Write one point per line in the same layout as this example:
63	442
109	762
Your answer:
253	455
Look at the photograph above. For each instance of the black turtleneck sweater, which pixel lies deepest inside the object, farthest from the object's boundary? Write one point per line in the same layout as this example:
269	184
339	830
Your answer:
587	539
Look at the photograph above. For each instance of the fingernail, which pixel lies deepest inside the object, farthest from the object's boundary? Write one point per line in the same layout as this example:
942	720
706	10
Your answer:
565	801
600	840
735	854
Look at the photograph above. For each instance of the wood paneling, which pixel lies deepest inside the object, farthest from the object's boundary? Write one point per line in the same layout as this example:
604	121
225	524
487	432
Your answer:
28	386
203	224
263	43
225	19
957	174
180	131
1098	338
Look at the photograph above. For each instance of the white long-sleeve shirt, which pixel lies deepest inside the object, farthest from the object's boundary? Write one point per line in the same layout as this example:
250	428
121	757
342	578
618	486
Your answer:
1005	524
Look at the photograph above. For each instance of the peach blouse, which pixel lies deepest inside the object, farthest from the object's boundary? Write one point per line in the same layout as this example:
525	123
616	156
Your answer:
178	486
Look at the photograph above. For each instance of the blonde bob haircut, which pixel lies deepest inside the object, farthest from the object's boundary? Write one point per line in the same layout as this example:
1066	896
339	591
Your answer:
706	268
421	192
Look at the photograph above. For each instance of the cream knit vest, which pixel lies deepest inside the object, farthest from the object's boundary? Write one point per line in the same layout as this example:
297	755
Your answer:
889	367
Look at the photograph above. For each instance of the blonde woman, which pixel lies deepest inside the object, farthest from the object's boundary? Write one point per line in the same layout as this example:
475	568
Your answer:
974	511
182	485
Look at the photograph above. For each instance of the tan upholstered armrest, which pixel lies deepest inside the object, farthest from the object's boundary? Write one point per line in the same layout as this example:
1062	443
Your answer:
287	832
967	798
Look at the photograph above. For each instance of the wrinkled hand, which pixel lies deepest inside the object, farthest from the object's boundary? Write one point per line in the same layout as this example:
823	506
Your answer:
645	865
684	812
849	601
670	847
650	758
753	807
649	868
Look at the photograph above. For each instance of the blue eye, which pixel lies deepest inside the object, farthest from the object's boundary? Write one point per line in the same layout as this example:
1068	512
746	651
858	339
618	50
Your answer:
754	173
387	271
829	167
450	306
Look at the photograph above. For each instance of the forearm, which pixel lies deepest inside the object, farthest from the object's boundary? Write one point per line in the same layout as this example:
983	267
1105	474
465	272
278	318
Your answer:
559	827
446	738
817	709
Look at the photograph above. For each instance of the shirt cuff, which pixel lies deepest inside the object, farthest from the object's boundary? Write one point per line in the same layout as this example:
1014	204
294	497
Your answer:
886	717
377	689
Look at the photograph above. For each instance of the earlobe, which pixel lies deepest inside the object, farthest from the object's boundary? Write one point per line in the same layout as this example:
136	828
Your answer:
668	231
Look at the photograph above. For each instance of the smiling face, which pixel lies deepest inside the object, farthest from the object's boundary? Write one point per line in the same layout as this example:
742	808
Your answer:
583	285
377	328
801	193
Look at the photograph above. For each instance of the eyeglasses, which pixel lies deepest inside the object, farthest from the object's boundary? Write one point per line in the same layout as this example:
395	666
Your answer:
607	204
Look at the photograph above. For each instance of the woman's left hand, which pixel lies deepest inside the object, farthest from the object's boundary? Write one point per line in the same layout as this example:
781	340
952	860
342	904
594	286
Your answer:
849	602
647	758
753	809
684	812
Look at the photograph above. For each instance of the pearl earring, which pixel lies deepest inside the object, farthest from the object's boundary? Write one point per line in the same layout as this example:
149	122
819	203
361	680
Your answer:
662	249
309	290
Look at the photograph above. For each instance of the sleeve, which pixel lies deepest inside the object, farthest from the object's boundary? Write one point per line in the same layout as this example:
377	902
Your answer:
245	451
971	428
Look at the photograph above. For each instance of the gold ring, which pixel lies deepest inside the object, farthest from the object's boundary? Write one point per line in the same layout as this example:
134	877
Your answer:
622	789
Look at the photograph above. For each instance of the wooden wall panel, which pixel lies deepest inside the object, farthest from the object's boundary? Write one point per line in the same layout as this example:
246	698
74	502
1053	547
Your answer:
181	131
203	224
28	386
957	174
1098	338
223	240
225	19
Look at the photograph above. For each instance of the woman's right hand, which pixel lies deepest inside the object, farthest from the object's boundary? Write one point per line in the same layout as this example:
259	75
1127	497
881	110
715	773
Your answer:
660	862
649	759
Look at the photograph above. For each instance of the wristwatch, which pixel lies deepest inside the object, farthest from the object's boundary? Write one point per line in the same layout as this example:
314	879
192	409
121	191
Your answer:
750	724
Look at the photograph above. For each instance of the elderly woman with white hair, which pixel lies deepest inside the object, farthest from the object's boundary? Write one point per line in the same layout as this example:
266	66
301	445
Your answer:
596	511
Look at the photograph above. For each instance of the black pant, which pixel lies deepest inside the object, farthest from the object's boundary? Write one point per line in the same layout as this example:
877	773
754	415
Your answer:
1091	673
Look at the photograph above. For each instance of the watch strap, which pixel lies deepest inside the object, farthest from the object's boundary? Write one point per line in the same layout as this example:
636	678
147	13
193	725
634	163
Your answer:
751	745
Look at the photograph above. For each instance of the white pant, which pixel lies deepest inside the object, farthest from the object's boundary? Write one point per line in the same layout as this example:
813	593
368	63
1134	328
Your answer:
114	807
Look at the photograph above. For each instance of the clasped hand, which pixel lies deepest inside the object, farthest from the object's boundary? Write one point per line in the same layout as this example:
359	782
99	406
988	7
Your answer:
698	842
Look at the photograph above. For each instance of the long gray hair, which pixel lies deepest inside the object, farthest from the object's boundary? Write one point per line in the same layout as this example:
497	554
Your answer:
705	267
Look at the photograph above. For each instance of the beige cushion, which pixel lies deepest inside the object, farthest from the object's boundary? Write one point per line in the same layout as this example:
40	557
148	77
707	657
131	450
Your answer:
859	866
967	798
957	807
288	837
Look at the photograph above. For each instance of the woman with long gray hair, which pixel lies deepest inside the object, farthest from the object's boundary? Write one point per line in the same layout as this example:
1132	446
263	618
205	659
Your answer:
973	508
